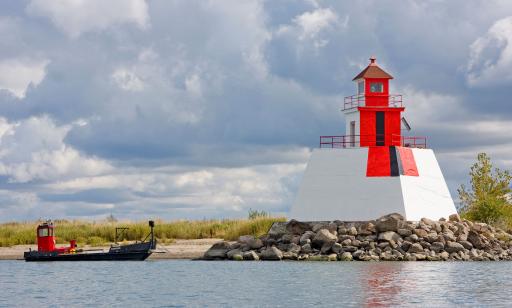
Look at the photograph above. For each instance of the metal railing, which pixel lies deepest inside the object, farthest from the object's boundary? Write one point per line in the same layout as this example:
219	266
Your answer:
352	141
359	100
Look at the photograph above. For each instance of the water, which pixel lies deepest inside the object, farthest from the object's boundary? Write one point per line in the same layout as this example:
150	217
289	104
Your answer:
172	283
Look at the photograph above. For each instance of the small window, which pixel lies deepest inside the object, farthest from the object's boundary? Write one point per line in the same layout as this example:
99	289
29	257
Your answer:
43	232
360	87
376	87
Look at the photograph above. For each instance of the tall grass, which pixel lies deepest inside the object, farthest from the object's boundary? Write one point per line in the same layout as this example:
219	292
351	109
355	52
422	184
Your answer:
98	233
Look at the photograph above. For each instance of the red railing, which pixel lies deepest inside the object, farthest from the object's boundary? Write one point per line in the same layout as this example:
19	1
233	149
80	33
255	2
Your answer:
358	100
351	141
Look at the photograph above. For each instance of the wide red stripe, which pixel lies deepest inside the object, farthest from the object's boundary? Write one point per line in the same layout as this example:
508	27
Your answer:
408	163
378	162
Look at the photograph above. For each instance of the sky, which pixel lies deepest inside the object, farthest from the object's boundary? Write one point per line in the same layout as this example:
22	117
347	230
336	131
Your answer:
206	109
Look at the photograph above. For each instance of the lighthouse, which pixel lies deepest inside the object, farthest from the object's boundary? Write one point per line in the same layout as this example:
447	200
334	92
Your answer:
374	169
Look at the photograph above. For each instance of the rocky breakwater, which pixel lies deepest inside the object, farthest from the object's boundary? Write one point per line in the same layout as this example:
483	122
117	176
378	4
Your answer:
389	238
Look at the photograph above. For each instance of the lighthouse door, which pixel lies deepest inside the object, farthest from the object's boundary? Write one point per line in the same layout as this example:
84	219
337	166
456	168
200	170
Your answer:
379	128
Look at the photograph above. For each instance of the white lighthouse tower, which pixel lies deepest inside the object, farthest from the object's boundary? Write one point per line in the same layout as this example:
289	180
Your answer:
373	170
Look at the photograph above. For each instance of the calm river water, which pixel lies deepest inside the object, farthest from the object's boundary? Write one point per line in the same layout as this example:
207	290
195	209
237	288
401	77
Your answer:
170	283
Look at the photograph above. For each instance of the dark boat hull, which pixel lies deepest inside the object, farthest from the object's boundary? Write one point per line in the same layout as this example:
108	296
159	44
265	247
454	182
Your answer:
133	252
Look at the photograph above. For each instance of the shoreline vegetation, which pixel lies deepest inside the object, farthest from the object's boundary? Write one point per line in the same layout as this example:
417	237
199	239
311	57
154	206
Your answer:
101	233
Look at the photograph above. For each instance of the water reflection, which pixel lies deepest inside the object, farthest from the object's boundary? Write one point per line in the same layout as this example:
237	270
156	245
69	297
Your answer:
381	284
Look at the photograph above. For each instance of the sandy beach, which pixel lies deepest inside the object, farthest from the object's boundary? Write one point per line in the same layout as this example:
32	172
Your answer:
180	249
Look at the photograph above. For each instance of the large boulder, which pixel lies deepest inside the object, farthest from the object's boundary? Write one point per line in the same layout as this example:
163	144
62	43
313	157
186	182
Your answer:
250	241
391	222
297	227
475	239
234	254
277	230
218	251
415	248
271	253
306	237
323	236
250	255
389	236
454	217
453	247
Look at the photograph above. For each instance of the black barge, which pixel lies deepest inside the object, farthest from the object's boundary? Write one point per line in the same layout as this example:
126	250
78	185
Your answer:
47	251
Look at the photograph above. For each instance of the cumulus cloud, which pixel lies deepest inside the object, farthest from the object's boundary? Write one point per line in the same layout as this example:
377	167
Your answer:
166	116
19	74
76	17
490	62
34	149
127	80
309	25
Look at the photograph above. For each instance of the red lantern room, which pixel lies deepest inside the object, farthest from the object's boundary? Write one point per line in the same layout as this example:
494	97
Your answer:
373	116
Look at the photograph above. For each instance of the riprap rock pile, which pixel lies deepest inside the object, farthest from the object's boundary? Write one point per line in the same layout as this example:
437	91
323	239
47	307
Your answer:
389	238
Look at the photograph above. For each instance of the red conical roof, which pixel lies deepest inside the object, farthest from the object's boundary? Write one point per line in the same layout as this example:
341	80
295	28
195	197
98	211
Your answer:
373	71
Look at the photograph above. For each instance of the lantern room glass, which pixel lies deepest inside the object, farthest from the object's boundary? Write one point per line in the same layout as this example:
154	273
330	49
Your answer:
360	87
376	87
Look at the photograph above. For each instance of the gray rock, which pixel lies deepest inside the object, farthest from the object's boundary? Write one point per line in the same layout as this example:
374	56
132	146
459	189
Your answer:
349	248
452	247
250	256
237	257
466	244
324	236
437	246
415	248
357	254
389	236
294	248
332	257
413	238
336	247
346	242
304	238
383	245
251	242
319	226
271	253
289	255
306	248
367	228
218	250
421	233
297	227
454	217
444	255
391	222
318	258
302	257
347	256
326	247
475	239
277	230
404	232
406	245
449	236
432	237
420	256
233	252
352	231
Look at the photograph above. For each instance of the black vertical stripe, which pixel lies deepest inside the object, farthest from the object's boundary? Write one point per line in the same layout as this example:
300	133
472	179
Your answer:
393	162
379	128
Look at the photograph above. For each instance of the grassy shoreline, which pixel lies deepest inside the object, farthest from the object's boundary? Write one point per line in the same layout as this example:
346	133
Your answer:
100	233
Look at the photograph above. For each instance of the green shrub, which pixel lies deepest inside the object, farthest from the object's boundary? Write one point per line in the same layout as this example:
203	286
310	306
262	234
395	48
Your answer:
487	201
